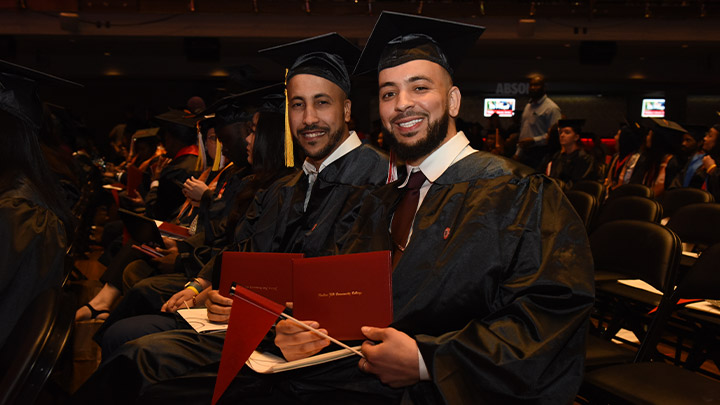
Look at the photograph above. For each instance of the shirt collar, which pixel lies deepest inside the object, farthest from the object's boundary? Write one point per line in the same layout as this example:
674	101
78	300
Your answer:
443	157
352	142
540	101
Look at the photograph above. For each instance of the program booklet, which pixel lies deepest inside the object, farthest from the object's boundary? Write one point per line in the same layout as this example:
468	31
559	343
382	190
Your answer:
266	363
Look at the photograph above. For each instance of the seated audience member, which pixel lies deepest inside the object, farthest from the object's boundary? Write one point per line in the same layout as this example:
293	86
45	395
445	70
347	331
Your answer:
711	146
472	324
263	149
658	165
307	212
571	163
34	223
628	141
693	173
165	197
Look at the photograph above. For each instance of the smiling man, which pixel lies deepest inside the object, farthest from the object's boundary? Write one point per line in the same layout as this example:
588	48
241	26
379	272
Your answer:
492	280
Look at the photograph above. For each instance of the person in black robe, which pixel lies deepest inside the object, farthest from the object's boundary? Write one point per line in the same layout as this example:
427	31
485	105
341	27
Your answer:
711	145
35	222
693	173
571	163
658	166
306	212
493	292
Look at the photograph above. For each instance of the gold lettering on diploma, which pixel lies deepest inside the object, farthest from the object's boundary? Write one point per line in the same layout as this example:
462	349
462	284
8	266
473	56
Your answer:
339	294
261	288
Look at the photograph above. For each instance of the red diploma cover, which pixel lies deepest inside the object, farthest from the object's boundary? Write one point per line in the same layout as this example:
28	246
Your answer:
266	274
174	230
134	177
344	293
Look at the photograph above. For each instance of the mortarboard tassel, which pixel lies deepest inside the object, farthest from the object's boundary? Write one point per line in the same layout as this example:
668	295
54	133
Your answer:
201	165
289	158
218	156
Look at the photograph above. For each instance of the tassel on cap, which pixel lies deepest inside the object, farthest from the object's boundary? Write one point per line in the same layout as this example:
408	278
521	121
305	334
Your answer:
218	156
289	158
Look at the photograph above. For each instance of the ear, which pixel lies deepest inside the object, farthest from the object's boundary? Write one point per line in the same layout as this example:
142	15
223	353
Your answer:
454	98
347	109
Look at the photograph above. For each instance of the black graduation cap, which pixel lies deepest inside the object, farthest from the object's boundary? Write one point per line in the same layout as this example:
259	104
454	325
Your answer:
399	38
240	107
576	124
181	123
696	131
145	134
329	56
18	91
667	128
179	117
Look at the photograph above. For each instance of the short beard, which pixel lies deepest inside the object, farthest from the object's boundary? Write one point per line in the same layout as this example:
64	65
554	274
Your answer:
437	131
333	140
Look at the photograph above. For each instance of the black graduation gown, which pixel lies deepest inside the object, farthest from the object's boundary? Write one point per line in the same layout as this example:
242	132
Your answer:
163	202
496	284
275	222
569	168
32	252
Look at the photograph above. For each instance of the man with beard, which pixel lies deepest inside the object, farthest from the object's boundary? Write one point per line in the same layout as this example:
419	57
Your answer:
539	115
307	212
492	285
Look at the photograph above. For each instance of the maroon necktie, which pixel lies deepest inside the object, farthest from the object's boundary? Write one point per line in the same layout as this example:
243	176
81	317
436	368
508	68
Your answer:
404	215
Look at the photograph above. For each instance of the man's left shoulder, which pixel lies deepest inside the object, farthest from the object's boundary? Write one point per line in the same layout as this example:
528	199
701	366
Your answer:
483	165
363	165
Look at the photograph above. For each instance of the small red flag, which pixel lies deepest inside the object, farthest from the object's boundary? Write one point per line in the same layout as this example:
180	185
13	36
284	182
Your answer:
251	317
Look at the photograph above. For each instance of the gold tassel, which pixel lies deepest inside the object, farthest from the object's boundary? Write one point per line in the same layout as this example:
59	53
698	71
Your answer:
218	156
289	158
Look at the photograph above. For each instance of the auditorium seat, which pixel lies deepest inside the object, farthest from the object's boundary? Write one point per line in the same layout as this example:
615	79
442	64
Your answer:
645	382
676	198
629	207
585	205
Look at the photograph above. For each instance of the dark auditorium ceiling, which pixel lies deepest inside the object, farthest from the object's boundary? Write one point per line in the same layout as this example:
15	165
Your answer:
602	40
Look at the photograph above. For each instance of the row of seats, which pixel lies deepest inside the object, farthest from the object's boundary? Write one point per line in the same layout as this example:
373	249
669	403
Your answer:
628	242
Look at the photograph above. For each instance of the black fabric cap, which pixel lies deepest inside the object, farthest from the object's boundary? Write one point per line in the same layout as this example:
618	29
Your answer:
18	91
179	117
241	107
576	124
399	38
145	134
669	129
328	56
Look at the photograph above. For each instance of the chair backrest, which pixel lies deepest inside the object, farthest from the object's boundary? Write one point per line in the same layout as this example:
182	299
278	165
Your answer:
638	249
697	223
34	346
676	198
639	190
592	187
585	205
701	281
629	207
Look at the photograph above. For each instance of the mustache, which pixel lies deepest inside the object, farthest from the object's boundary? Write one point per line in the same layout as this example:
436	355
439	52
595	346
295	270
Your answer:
407	114
313	128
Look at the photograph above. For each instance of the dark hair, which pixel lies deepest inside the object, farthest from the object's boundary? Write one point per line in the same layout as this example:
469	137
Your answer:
268	150
20	155
629	141
715	152
268	163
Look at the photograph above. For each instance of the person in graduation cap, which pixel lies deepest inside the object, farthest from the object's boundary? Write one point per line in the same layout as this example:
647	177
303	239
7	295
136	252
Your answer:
571	163
165	197
492	286
307	212
492	280
35	223
220	205
658	165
